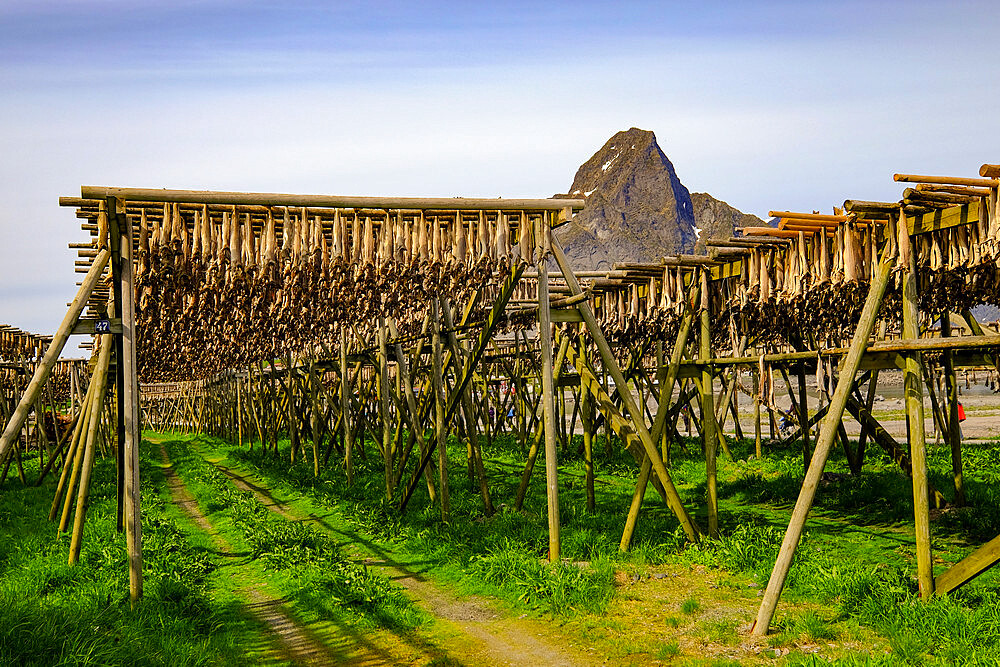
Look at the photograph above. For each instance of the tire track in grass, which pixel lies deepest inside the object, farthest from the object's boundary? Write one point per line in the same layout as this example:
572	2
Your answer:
294	642
472	631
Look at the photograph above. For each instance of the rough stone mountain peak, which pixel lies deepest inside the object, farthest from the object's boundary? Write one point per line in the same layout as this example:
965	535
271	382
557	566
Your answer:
637	209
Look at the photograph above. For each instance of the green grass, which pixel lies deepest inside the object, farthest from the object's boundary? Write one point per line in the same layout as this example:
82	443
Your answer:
309	566
668	651
52	613
853	570
502	555
690	607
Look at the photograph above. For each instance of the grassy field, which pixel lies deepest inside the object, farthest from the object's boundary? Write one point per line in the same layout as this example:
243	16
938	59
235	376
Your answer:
851	589
850	598
195	607
51	613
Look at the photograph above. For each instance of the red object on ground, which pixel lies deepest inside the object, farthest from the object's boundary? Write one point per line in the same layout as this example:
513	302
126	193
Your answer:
961	413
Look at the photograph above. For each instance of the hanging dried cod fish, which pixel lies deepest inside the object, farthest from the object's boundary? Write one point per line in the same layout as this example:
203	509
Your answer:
850	258
368	244
206	235
524	241
422	239
651	301
337	249
435	240
484	237
460	240
501	238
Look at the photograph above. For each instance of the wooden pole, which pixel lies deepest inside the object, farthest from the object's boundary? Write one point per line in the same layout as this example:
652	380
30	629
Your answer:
588	439
708	427
913	386
529	465
756	415
954	433
130	392
633	510
45	366
828	432
382	393
71	469
345	407
441	435
543	233
101	375
71	452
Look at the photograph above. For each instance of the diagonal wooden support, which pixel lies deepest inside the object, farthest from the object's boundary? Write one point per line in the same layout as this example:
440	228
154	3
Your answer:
968	568
676	355
889	445
48	362
622	426
827	433
636	423
643	479
489	326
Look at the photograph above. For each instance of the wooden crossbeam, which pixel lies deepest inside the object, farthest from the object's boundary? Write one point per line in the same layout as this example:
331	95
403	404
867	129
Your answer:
328	201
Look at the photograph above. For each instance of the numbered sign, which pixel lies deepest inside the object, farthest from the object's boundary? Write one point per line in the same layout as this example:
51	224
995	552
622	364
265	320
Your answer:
102	326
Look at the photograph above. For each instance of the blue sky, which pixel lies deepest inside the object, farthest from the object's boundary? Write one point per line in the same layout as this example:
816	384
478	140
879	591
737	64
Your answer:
792	105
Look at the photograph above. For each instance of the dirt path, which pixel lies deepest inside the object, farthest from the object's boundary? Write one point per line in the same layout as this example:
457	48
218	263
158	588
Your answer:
470	630
294	642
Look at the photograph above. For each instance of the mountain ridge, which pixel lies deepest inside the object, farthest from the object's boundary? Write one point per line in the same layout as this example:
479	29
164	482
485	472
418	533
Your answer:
637	209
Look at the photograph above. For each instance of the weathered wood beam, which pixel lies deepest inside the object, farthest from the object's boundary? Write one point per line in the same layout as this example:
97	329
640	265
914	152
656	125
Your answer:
968	568
328	201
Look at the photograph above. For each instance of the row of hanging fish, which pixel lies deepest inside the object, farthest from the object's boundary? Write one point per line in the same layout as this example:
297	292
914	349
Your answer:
218	290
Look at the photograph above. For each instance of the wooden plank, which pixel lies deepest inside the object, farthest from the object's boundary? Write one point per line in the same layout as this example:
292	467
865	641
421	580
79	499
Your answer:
952	216
947	180
878	361
328	201
731	269
871	353
968	568
565	315
88	327
815	217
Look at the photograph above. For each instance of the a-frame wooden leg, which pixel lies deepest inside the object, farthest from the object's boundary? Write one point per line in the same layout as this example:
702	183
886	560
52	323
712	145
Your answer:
827	434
